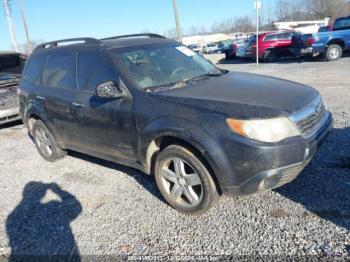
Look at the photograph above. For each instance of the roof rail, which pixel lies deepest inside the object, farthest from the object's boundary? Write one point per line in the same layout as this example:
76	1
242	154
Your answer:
134	35
86	40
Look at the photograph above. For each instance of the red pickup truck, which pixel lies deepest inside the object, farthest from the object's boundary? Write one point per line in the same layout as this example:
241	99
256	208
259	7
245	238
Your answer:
271	45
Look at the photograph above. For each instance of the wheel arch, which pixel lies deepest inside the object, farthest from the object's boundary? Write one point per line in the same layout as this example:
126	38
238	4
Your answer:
337	41
32	118
34	114
162	141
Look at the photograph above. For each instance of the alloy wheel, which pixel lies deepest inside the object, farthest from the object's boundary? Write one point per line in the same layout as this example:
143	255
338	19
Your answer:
334	53
181	182
43	142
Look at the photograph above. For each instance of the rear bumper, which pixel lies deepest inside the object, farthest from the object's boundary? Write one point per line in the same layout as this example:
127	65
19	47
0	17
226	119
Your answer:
319	48
9	115
258	167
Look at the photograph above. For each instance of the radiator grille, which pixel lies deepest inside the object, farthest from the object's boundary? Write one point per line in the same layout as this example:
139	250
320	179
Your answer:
8	102
309	119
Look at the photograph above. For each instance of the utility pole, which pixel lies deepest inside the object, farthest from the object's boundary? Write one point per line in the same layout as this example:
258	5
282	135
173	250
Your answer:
177	19
29	43
257	7
10	24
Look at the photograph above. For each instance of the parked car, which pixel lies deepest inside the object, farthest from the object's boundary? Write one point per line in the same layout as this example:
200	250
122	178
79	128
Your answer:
302	45
272	45
333	43
11	65
212	48
230	51
9	105
225	45
196	48
243	49
150	103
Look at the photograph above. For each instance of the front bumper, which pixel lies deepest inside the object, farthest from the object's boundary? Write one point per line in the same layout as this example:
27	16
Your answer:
9	115
258	167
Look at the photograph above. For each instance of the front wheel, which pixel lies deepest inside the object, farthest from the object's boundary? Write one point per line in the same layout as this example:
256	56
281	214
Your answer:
269	56
334	52
184	181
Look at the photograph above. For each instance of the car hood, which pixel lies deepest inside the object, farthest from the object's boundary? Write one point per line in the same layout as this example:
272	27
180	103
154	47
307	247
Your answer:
243	95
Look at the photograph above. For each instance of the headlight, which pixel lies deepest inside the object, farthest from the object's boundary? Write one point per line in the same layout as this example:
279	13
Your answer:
264	130
316	38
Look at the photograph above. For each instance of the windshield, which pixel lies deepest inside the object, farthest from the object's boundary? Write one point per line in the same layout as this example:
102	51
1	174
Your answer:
164	65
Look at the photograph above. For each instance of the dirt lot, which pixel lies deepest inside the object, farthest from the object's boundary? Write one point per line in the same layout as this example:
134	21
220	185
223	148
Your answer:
100	208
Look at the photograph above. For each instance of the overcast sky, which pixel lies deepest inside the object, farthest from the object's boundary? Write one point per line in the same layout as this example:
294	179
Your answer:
56	19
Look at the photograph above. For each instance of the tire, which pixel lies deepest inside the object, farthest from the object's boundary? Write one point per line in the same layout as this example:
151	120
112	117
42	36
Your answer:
45	143
269	56
189	188
333	53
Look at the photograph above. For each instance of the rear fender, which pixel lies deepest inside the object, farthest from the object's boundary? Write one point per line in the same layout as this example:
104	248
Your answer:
34	110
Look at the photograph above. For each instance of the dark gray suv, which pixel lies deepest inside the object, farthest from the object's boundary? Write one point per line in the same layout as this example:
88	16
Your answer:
153	104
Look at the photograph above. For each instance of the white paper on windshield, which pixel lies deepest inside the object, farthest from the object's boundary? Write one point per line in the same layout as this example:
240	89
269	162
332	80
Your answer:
186	51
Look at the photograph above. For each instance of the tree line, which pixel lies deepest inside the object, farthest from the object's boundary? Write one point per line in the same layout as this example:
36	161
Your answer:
284	10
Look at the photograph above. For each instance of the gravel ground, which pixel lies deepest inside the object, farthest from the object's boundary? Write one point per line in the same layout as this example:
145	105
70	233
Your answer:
93	207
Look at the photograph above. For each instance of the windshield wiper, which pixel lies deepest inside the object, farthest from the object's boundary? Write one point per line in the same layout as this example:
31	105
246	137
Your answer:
184	82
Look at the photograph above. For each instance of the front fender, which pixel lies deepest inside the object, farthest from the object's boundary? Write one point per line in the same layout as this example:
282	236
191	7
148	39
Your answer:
190	132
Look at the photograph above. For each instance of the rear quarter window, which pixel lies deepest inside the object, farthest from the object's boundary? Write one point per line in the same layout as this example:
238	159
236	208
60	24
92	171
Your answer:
33	69
270	38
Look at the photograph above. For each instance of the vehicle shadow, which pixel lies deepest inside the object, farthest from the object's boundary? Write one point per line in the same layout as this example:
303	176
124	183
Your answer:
324	186
12	124
144	180
40	231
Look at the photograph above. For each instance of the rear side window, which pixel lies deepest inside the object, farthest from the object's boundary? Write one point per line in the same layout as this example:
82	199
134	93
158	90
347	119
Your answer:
60	71
270	38
324	29
93	69
33	69
342	24
284	36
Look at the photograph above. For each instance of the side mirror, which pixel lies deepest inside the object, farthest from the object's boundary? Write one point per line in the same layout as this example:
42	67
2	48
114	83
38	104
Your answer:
109	89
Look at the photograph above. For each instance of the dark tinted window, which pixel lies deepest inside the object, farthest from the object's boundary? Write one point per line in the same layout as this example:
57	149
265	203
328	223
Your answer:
284	36
324	29
60	71
270	38
342	24
33	69
93	70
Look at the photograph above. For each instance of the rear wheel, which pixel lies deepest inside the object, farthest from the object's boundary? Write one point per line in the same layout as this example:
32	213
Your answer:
334	52
184	181
46	143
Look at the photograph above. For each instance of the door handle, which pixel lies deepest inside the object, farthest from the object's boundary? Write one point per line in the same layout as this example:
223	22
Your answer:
40	98
77	105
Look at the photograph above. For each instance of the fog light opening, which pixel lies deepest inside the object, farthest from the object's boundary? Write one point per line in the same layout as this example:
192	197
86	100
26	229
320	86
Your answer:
269	182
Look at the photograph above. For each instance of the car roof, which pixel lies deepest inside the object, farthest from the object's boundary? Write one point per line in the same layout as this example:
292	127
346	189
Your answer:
132	42
106	43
